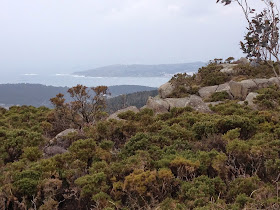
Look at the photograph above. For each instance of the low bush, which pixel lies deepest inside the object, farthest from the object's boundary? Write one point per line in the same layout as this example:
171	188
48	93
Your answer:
219	96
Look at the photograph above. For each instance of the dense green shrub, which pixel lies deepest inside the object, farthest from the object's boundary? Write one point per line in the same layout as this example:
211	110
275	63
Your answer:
201	190
189	85
248	71
219	96
211	75
268	98
228	159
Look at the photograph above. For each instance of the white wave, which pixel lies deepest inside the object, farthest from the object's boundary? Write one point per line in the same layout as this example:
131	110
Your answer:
78	75
97	77
30	74
61	74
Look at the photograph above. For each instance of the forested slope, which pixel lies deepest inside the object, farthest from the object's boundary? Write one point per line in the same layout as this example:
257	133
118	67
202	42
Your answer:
39	95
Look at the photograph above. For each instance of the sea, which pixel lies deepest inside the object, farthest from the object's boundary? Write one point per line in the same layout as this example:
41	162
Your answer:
69	80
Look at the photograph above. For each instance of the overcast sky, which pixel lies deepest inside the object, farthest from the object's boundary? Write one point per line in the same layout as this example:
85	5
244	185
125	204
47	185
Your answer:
69	35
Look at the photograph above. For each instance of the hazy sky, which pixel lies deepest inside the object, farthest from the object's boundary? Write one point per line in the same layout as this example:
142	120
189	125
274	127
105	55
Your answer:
69	35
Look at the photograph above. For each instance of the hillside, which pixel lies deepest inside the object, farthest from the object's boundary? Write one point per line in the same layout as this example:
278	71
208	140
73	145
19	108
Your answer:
200	144
138	70
39	95
138	99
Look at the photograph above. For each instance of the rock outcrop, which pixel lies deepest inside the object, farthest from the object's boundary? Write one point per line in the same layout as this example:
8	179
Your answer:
223	87
240	90
115	115
243	61
198	104
228	68
177	102
165	90
159	105
53	150
250	99
274	80
206	92
59	144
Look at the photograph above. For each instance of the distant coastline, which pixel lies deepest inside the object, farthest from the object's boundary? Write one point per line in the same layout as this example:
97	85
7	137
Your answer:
68	80
139	70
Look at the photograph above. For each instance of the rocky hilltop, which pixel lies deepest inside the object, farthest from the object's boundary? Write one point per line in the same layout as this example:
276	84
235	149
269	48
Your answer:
243	91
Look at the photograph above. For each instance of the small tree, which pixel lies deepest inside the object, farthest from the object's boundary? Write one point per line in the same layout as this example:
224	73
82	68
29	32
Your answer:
229	59
87	106
218	60
262	39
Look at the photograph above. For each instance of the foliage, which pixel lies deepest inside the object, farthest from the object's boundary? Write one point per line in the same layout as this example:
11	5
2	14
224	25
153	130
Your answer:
219	96
262	38
184	85
207	76
211	75
178	160
85	108
268	98
229	59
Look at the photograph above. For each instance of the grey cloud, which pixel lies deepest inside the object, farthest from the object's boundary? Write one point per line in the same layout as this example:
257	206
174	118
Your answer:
57	36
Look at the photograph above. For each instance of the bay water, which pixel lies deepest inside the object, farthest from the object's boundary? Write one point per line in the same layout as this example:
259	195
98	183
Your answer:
69	80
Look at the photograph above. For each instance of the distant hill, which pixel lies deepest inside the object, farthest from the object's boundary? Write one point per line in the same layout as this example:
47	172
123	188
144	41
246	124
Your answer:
138	99
138	70
39	95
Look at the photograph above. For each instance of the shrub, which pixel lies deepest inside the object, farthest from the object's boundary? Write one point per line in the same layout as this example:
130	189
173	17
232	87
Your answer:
200	191
83	149
247	126
204	129
243	186
211	75
92	184
262	70
206	76
219	96
268	98
26	182
32	153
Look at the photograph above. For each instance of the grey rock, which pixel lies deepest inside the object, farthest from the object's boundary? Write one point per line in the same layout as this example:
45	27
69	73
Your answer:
240	102
164	105
59	144
64	133
250	99
158	105
53	150
228	68
240	90
165	90
243	61
223	87
198	104
115	115
177	102
274	80
144	107
206	92
61	140
262	83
